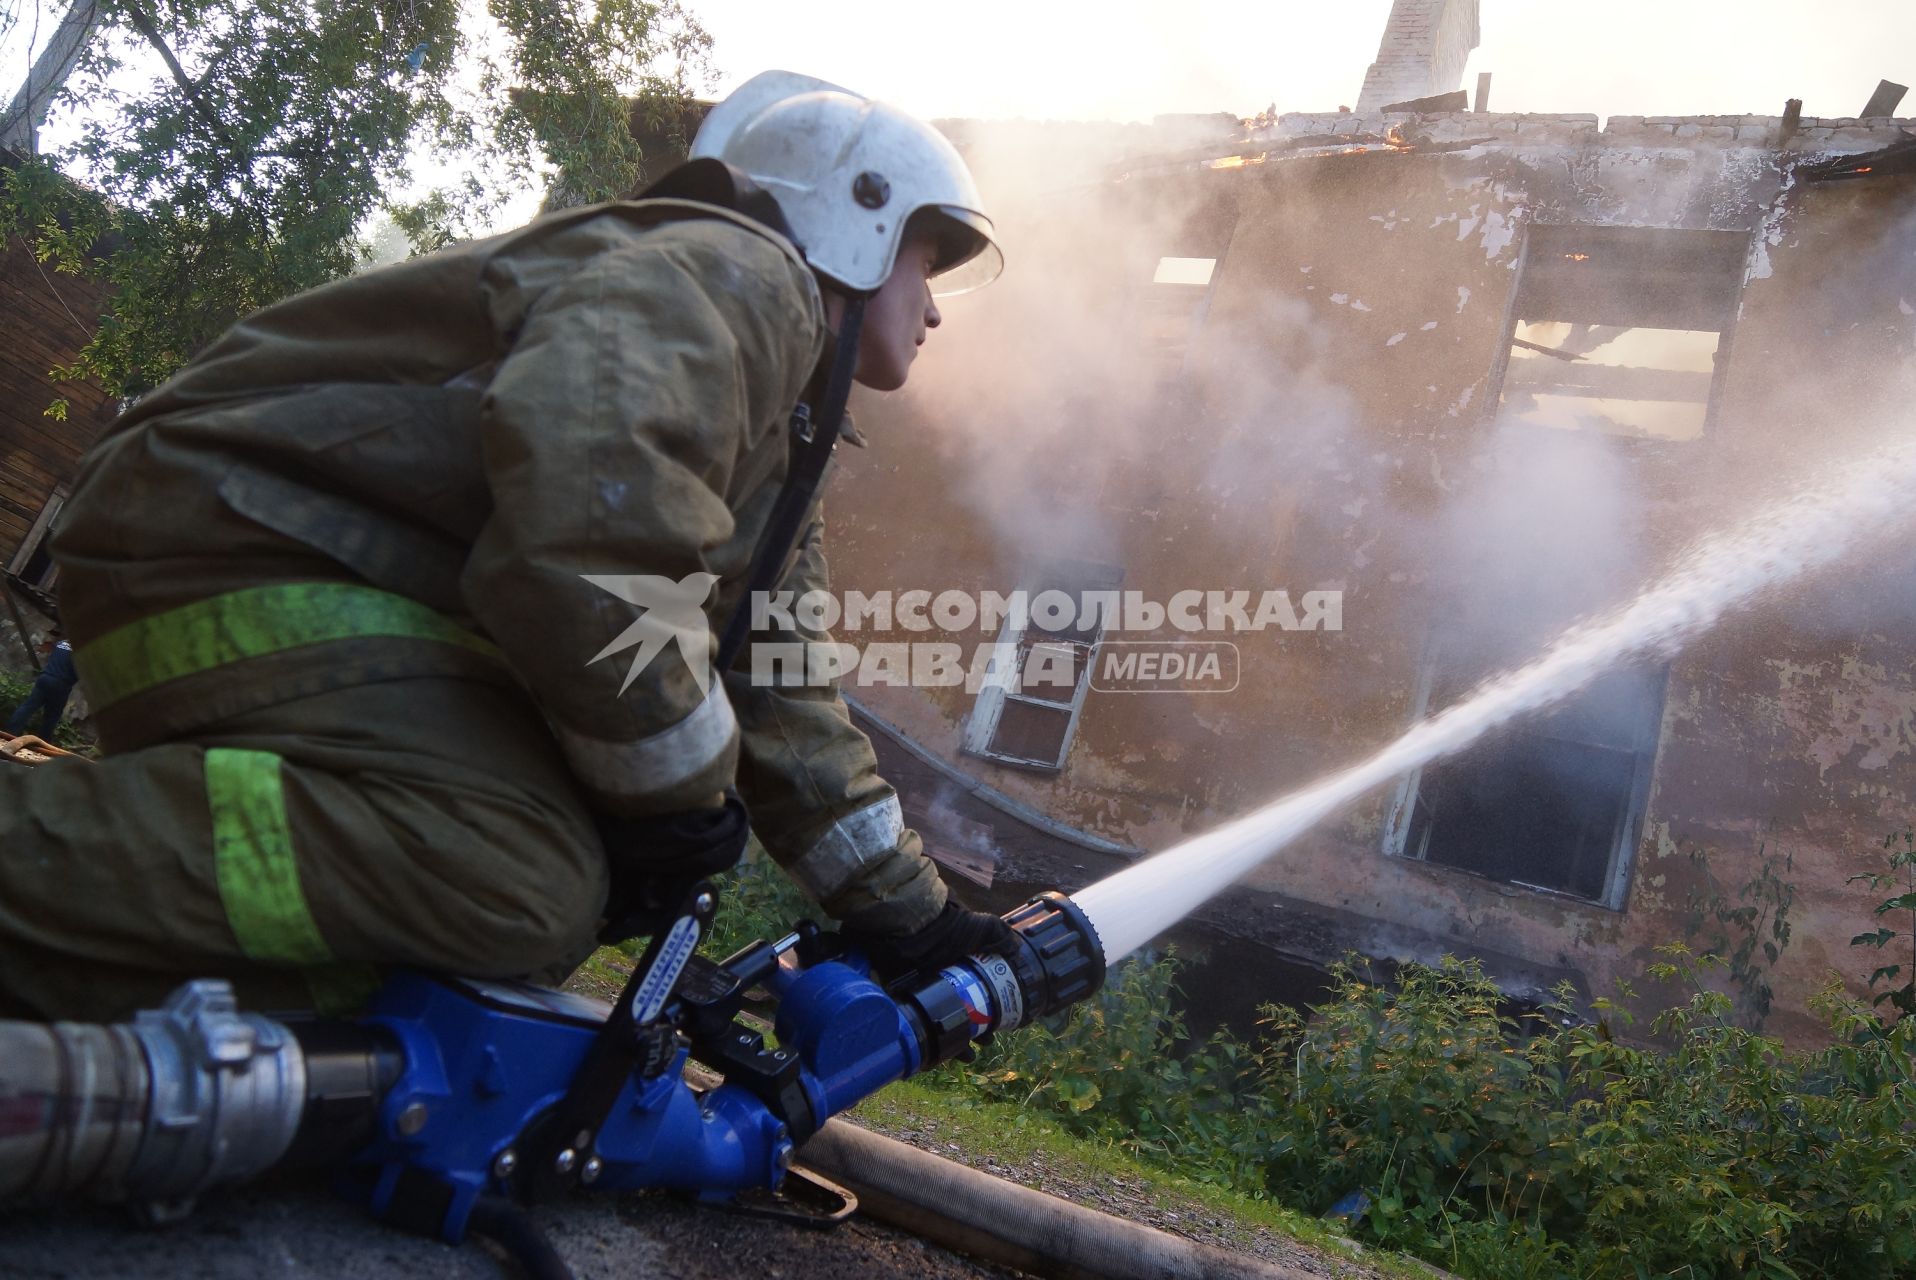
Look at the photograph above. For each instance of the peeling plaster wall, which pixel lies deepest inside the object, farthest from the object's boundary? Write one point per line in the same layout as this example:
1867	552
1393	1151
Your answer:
1379	282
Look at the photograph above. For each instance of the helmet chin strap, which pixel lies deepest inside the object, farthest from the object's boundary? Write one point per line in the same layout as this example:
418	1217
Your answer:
816	422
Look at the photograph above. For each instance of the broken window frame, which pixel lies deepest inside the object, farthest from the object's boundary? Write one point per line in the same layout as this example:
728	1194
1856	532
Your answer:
1540	237
1204	232
37	535
1400	818
999	689
1156	300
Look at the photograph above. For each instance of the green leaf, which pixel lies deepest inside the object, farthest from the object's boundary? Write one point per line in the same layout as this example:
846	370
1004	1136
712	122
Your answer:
198	198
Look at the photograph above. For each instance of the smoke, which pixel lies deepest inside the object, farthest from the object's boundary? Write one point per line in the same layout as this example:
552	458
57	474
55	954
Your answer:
1319	415
1229	436
1080	410
1845	506
1033	396
1540	528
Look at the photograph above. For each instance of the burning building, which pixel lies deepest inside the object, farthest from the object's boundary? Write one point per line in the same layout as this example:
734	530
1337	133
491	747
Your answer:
47	319
1450	380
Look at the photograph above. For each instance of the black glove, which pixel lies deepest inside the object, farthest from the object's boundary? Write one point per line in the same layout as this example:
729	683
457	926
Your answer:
655	861
956	933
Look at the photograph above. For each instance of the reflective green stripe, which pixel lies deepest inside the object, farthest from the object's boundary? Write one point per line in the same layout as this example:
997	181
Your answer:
251	624
253	859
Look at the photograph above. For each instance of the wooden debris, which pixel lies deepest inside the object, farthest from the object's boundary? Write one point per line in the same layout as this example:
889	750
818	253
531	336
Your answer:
31	749
956	842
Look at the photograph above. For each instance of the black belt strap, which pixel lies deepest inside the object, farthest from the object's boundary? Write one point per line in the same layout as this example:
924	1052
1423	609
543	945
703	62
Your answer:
714	182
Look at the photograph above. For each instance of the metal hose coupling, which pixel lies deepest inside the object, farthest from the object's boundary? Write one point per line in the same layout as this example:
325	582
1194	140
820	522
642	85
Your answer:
184	1098
1059	962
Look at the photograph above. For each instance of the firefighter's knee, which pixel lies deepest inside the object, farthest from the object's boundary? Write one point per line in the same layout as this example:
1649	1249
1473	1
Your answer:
546	919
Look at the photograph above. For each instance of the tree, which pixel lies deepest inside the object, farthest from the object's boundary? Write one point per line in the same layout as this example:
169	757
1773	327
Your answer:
243	167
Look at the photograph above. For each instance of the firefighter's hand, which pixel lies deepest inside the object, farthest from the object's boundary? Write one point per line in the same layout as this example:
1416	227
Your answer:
655	861
957	932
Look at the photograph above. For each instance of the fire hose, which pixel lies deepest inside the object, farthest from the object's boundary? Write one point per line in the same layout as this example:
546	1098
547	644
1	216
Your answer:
451	1101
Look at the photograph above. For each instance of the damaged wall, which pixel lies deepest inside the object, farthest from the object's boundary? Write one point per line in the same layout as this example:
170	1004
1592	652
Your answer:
1324	425
47	319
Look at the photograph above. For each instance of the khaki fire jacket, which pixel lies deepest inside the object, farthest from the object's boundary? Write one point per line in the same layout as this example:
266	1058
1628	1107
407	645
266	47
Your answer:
456	466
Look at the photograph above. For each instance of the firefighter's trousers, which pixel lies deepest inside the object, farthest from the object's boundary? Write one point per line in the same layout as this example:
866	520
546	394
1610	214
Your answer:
421	821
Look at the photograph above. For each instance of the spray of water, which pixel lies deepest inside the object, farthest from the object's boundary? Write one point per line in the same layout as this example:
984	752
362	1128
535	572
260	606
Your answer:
1865	498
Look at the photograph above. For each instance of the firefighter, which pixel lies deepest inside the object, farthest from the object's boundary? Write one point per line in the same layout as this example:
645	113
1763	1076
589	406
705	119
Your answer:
337	589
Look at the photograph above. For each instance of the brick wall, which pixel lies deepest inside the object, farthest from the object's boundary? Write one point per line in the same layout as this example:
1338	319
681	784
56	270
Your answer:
1423	51
1813	133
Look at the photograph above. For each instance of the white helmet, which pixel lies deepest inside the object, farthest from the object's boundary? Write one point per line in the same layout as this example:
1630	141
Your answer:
849	173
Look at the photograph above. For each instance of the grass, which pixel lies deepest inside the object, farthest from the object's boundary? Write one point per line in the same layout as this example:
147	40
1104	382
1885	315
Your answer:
602	975
1013	1136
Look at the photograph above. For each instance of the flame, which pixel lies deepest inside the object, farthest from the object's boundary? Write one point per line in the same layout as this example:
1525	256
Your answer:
1866	168
1577	257
1237	162
1395	140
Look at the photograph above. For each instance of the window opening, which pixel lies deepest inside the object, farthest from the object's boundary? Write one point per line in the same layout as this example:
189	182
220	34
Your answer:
32	561
1175	305
1185	271
1623	330
1553	804
1027	711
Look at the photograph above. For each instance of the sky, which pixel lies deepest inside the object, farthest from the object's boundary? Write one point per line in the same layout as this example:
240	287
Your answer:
1133	59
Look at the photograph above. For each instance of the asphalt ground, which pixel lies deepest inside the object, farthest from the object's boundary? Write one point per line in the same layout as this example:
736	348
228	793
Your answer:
298	1230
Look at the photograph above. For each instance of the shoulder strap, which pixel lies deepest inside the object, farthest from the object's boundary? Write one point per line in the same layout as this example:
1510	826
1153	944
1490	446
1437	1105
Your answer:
814	436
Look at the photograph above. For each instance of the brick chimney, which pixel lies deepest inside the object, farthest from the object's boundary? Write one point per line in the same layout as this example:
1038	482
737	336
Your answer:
1425	46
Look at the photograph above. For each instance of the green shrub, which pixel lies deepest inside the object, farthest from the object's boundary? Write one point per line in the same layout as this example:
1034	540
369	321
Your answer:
1419	1088
1732	1155
1897	979
1100	1061
1497	1145
756	901
1504	1147
1750	931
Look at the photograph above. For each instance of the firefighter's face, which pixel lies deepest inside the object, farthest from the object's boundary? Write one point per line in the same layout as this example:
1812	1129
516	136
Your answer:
898	317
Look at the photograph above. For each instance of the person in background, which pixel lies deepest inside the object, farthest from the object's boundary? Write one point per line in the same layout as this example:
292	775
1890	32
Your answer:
50	691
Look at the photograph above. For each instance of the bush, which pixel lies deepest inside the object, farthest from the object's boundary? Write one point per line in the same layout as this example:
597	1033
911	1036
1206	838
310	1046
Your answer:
1491	1144
1503	1147
1897	980
756	901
